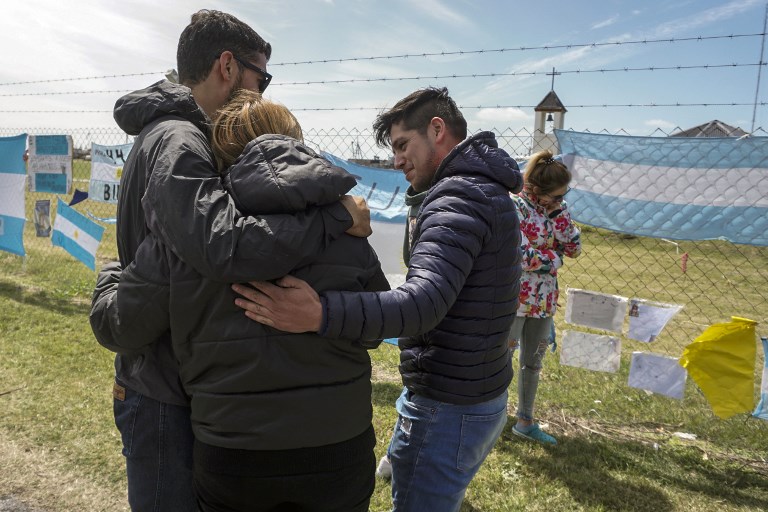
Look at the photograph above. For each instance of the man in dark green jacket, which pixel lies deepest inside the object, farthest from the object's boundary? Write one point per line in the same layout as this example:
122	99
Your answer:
170	187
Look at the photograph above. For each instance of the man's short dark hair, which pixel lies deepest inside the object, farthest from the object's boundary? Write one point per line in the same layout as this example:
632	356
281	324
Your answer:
416	110
207	35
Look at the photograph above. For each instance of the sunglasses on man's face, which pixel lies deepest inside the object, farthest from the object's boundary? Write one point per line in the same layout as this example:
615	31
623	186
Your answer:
267	77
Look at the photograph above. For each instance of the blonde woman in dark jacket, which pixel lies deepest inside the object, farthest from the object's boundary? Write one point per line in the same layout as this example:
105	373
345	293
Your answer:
279	419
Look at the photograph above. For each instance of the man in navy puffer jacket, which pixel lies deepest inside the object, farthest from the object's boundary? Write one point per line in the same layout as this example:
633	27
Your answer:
452	314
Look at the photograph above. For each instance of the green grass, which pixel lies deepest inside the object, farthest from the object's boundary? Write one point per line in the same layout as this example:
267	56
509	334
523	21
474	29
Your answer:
617	445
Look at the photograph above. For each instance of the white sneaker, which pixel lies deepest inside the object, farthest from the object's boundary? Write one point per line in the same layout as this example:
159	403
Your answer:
385	468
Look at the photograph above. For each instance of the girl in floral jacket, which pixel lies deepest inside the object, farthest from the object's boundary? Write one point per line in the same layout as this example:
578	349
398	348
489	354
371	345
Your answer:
548	235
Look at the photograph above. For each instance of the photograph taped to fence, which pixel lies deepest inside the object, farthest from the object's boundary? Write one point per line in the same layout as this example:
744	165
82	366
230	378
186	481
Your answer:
43	218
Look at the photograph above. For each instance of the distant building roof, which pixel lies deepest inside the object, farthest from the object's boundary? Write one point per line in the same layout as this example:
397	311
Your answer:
711	129
550	103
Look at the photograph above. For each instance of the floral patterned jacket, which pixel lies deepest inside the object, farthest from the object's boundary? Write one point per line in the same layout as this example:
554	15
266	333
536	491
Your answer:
546	239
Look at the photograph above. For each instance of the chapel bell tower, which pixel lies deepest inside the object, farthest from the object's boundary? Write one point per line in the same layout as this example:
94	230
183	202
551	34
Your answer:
549	115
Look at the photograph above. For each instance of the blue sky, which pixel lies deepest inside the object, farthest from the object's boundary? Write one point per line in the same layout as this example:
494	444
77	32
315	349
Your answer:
46	40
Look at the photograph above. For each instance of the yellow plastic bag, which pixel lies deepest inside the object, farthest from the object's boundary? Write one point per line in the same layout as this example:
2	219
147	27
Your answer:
722	363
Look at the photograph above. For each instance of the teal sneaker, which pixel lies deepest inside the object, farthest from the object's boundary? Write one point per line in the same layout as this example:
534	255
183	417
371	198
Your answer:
534	433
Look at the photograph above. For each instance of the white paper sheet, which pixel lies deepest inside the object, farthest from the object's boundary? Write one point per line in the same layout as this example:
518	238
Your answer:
648	318
590	351
596	310
657	373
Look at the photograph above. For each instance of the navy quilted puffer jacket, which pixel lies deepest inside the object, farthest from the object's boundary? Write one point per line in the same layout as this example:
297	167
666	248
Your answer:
455	309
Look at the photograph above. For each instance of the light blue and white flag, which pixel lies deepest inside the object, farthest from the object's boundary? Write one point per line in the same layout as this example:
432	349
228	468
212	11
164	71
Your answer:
761	411
76	234
13	175
384	191
670	187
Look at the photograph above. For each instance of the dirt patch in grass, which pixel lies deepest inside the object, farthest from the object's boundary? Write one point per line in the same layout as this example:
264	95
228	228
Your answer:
35	480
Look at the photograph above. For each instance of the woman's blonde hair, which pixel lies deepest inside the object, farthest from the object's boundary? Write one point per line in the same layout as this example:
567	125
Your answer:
244	117
544	174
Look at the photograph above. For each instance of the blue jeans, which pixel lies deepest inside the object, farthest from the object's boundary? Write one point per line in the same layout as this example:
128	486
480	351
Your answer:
437	448
157	445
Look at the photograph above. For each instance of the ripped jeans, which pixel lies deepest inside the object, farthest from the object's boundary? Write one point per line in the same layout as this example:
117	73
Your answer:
533	336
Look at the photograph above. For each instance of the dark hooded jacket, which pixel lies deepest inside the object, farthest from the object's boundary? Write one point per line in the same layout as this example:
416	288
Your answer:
170	187
455	309
253	387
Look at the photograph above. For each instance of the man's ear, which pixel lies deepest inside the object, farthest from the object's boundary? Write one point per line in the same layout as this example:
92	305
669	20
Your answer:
438	128
225	66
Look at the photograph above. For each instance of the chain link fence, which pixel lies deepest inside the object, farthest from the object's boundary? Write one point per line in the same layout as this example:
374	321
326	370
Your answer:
718	279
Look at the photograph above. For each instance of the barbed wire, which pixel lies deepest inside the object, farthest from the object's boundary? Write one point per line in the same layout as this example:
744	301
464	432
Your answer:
425	54
440	77
55	111
123	75
63	93
597	105
522	48
527	73
466	107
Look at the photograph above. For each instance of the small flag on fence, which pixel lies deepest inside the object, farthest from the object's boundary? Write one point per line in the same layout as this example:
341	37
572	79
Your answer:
78	197
76	234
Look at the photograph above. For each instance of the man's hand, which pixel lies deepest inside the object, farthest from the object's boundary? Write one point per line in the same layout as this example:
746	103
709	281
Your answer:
361	216
291	305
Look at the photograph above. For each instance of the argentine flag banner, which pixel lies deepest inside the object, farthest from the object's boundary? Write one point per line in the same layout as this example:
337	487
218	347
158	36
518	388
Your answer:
384	191
13	176
670	187
76	234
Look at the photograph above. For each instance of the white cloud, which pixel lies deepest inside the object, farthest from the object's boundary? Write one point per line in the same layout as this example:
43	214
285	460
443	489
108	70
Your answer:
660	123
502	114
441	12
487	118
605	23
707	17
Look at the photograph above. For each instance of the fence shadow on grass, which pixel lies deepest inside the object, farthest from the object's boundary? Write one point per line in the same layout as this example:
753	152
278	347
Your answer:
42	298
613	475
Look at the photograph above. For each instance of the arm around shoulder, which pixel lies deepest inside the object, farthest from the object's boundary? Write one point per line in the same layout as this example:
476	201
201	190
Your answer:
188	208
